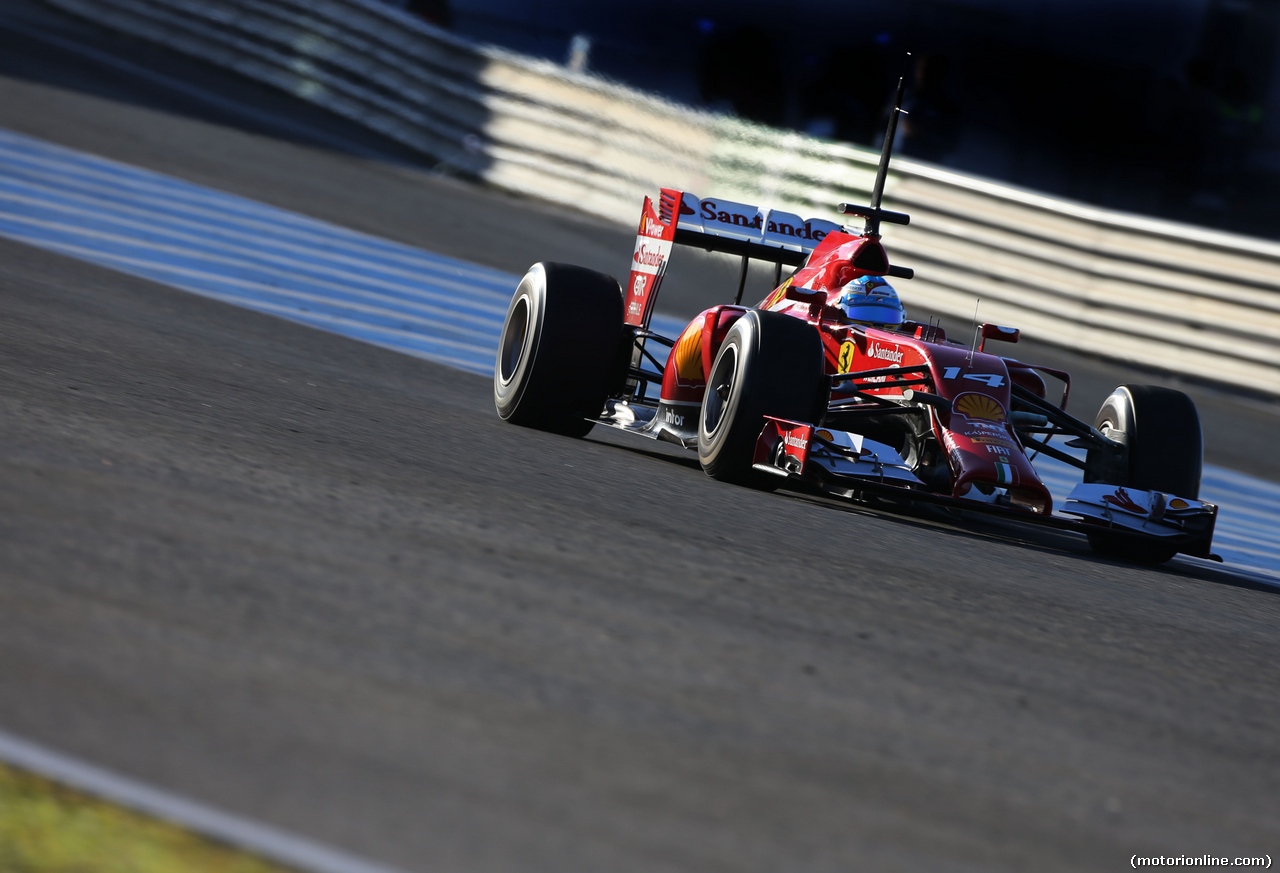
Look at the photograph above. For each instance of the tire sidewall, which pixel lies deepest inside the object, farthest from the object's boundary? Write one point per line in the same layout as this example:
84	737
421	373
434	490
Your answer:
777	367
1163	452
1163	439
1116	413
720	447
511	378
559	349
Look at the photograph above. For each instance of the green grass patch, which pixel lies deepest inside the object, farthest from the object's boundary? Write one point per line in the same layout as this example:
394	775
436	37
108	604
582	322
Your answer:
49	828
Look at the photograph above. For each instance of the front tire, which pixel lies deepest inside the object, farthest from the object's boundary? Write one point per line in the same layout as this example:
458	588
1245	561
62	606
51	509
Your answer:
1164	451
768	364
558	351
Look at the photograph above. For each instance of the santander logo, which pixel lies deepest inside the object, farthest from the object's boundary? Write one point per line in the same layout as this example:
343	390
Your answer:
647	257
884	353
650	255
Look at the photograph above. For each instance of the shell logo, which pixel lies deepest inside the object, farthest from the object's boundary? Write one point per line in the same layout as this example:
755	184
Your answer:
979	406
1178	503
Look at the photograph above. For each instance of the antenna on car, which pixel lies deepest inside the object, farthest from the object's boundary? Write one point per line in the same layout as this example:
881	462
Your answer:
977	302
873	213
886	150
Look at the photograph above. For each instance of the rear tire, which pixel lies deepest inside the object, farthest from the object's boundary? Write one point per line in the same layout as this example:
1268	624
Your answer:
768	364
1164	452
558	351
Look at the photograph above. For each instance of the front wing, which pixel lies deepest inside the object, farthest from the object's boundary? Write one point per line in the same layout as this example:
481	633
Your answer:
844	464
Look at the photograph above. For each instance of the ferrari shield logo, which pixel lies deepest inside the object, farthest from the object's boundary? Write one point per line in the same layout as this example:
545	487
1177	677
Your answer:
847	351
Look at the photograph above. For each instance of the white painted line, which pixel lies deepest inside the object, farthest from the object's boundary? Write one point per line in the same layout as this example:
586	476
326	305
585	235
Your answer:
268	842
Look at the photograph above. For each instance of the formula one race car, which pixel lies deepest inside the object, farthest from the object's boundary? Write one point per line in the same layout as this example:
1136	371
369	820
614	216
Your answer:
825	385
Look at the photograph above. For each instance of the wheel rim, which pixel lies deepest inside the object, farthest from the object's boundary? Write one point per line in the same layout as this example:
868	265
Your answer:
718	388
514	334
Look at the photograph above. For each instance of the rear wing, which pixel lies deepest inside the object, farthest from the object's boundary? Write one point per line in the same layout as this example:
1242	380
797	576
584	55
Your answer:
739	229
680	218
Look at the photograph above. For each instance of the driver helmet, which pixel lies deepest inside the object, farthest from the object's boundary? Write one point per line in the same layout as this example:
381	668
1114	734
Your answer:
871	300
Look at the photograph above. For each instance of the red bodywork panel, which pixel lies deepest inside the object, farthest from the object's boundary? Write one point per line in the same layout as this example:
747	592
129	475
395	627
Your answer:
793	435
685	377
981	445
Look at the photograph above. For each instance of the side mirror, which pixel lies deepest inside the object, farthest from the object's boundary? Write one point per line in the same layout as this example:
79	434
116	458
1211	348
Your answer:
996	332
803	295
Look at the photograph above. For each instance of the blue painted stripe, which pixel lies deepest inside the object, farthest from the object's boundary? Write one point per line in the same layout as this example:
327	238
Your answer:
268	283
57	221
413	301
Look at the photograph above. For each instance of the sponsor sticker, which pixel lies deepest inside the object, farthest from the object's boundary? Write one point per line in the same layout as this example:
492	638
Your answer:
1122	500
639	288
885	353
650	255
848	349
989	431
785	228
979	407
744	221
735	219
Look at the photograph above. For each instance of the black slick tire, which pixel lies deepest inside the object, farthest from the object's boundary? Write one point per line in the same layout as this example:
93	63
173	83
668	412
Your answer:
1164	451
558	351
768	364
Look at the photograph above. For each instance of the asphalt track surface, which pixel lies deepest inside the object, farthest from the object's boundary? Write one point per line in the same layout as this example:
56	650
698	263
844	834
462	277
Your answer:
319	584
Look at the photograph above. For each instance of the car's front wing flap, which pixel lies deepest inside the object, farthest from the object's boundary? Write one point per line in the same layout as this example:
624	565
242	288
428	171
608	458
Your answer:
845	464
1146	513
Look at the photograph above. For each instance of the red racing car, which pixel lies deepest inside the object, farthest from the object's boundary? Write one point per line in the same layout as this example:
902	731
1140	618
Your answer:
826	385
